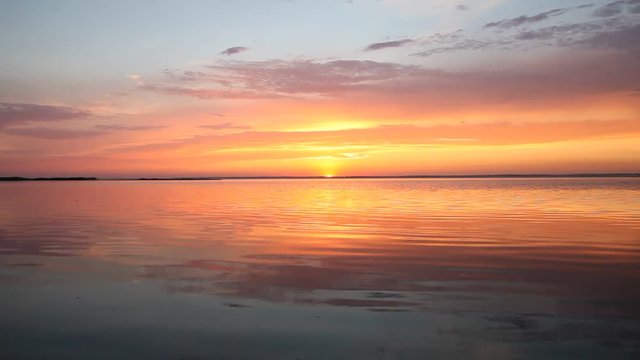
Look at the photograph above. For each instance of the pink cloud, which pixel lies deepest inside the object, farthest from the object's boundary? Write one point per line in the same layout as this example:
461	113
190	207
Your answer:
13	113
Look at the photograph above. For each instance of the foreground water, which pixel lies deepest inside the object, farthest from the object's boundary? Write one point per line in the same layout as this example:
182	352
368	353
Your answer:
321	269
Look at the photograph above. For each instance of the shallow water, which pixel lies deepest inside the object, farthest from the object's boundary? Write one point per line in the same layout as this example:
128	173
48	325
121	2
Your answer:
321	269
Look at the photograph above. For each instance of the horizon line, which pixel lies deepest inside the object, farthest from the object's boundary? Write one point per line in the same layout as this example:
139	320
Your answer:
257	177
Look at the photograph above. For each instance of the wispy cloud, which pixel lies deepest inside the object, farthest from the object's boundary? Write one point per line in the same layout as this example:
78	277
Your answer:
358	140
460	45
617	8
16	113
183	75
525	19
120	127
610	9
226	126
234	50
19	119
208	93
280	78
558	32
307	76
598	33
626	38
387	44
53	134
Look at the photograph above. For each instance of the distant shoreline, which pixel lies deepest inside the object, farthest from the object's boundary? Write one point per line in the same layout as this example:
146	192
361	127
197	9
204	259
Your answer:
208	178
71	178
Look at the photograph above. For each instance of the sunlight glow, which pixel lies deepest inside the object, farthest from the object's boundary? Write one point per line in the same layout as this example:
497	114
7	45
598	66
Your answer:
336	125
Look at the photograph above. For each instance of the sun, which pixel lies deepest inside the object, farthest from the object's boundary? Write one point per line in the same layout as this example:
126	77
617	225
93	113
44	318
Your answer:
327	167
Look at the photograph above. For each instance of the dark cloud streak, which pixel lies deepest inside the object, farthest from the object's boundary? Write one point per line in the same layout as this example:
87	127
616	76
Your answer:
234	50
387	44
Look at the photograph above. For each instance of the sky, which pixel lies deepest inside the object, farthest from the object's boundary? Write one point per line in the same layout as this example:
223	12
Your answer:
328	88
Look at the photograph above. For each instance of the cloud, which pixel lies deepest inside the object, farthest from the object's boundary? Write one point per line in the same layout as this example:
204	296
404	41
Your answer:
280	78
120	127
625	38
183	75
16	113
234	50
610	9
14	117
462	7
590	34
440	43
568	77
617	7
462	44
442	38
226	126
207	93
593	35
356	142
387	44
524	19
558	32
58	134
52	134
356	84
308	76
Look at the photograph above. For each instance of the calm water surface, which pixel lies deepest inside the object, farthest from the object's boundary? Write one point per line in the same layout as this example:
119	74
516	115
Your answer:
321	269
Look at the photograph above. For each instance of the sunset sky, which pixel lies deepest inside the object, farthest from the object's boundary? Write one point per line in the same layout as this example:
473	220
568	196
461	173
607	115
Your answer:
308	87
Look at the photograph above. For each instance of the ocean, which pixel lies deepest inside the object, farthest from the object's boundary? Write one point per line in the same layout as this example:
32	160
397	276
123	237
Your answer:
321	269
